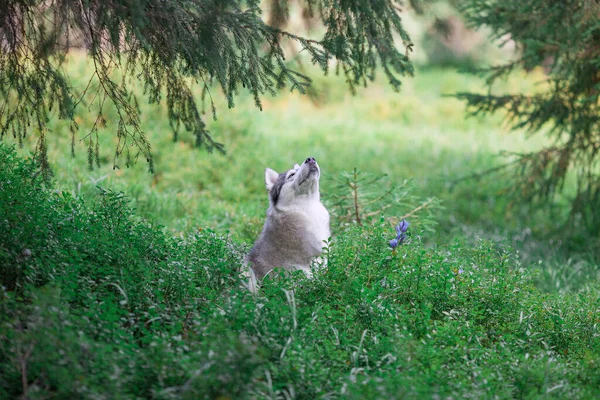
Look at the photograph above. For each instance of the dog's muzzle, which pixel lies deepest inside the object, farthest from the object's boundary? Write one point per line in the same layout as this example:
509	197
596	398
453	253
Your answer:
312	163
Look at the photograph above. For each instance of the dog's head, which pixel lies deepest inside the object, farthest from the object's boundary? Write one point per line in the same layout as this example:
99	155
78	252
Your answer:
299	183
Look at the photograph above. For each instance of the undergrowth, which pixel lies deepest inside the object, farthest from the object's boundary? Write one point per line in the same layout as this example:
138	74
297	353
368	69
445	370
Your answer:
95	302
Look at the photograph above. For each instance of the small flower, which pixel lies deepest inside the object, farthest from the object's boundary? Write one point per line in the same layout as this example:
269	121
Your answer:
402	226
400	234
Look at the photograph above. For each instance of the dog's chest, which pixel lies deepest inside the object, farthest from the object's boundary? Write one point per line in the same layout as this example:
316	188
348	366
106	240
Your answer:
318	218
307	222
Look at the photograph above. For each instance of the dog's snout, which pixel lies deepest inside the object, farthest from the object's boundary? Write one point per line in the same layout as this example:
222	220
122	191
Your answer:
310	160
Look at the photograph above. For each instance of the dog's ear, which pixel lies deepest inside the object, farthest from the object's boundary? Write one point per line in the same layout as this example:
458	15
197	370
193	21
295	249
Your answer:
270	178
296	166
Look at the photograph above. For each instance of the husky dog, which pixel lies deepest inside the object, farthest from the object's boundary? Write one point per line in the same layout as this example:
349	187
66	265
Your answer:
297	223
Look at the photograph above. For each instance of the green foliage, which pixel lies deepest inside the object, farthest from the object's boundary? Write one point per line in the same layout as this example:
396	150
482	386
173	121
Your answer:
420	136
564	38
106	305
358	197
172	47
79	283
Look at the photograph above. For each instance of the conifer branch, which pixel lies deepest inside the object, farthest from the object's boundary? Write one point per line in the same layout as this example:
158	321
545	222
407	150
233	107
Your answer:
168	46
560	37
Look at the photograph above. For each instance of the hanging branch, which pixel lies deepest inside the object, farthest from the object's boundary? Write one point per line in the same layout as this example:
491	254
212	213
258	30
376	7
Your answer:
170	46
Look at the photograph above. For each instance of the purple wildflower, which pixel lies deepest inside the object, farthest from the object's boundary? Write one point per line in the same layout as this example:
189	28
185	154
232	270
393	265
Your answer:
400	234
402	226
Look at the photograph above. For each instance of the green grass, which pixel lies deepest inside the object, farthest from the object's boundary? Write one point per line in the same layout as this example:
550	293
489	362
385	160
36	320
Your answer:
418	134
99	300
96	303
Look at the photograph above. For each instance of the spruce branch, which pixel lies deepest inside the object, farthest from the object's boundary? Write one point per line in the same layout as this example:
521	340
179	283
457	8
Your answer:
563	38
170	47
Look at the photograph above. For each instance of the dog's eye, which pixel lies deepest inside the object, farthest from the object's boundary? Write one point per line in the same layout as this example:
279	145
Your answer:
290	176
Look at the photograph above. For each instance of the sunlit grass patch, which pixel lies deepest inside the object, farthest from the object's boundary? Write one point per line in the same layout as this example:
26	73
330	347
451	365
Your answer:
421	133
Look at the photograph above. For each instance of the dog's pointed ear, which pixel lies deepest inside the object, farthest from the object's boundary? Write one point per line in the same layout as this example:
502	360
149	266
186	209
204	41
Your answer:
270	178
296	166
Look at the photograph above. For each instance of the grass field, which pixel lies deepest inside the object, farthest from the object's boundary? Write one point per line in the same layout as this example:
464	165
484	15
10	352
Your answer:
107	304
421	134
418	134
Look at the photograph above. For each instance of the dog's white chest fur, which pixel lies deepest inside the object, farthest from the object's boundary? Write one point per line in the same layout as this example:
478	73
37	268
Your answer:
317	219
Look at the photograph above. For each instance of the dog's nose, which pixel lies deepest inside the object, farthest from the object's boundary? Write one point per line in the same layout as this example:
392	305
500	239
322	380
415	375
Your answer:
310	160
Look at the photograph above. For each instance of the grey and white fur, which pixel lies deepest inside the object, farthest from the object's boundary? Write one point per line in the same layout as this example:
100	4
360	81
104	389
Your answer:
297	224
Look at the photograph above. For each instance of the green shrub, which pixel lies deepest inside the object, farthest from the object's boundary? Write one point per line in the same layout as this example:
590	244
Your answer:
105	305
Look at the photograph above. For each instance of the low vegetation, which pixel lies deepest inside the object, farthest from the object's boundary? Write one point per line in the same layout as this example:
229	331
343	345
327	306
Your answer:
124	284
96	302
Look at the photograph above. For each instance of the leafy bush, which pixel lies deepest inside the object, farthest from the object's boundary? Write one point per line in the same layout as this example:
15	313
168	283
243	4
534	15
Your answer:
105	305
95	280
